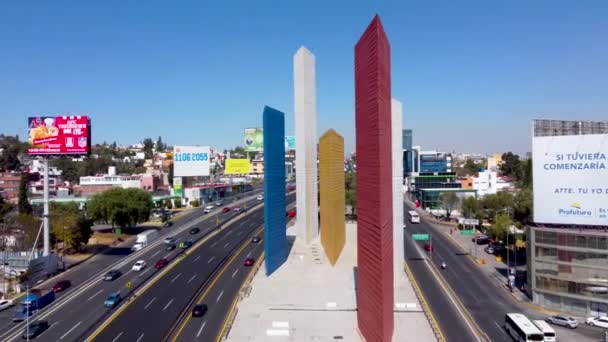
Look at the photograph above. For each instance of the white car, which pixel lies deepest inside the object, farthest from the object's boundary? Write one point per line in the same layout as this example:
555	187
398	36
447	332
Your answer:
170	240
598	322
139	265
208	209
564	321
6	303
260	197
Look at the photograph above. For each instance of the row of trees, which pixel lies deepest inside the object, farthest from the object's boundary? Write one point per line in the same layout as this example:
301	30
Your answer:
519	170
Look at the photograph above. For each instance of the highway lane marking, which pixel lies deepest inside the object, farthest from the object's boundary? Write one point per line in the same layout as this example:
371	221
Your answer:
235	272
191	279
149	303
166	306
117	337
95	295
220	296
239	234
201	329
226	245
175	278
143	272
195	260
211	259
140	337
155	253
54	323
501	329
214	244
248	255
69	331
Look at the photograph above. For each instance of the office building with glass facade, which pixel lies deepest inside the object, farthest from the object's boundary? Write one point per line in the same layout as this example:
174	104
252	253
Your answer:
568	269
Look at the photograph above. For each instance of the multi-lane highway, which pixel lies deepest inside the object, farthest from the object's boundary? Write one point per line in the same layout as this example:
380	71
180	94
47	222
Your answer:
153	312
81	307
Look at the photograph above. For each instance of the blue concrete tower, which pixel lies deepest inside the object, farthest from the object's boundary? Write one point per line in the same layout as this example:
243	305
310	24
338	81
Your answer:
275	237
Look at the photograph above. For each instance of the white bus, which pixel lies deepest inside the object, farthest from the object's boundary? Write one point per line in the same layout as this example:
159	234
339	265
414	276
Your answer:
522	329
413	216
546	329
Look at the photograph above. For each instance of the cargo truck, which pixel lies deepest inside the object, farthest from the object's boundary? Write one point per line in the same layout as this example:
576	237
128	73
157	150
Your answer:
144	239
31	303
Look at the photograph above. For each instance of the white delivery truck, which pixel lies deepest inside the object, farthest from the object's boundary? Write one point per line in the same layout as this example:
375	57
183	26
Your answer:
144	239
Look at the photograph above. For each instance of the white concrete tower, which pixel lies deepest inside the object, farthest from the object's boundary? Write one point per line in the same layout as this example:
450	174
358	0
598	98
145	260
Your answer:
305	98
397	151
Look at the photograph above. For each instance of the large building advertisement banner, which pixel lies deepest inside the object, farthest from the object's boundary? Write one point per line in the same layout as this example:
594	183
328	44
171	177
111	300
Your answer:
237	166
190	161
59	135
571	179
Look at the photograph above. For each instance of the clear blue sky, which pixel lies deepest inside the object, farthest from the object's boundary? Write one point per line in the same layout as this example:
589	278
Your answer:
471	75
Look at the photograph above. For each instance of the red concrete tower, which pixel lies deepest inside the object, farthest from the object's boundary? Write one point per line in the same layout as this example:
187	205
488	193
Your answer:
374	185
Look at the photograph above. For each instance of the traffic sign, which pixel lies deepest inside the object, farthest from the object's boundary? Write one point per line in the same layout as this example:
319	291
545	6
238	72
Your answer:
129	285
467	232
420	237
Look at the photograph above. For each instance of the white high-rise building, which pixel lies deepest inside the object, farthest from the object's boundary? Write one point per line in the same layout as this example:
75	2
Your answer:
305	99
397	152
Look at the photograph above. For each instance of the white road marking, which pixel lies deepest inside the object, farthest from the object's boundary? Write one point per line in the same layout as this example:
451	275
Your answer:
191	279
155	253
175	278
95	295
167	256
117	337
248	254
69	331
201	329
198	257
226	245
220	296
140	337
213	245
500	328
143	272
210	260
239	234
235	272
54	323
166	306
149	303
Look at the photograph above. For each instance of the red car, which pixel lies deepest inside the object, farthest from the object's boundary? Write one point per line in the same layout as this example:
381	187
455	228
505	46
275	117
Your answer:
428	247
291	213
161	263
248	262
225	210
61	285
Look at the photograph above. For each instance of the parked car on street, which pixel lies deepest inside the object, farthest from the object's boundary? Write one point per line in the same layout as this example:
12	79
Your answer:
564	321
601	322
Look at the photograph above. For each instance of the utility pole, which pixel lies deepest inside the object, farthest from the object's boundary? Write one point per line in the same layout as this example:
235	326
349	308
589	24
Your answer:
45	215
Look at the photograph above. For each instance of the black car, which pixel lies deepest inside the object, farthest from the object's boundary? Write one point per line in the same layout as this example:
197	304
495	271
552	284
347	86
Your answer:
168	224
194	230
199	310
255	239
170	246
186	244
113	274
36	328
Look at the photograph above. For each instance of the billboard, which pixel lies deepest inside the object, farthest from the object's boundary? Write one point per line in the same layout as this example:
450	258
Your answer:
190	161
290	142
178	189
571	179
59	135
254	139
237	166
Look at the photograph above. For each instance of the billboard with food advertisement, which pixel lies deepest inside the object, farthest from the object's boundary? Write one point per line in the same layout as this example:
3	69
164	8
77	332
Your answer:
59	135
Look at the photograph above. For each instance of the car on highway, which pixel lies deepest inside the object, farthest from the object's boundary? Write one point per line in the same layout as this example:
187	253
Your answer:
260	197
208	209
225	210
139	265
169	239
601	322
6	303
199	310
161	263
168	224
186	244
61	285
219	203
112	300
291	213
35	329
111	275
428	247
564	321
489	250
195	230
170	247
255	239
248	262
237	209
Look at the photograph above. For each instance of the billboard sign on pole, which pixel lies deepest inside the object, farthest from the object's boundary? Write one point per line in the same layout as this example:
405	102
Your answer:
571	179
290	142
178	189
189	161
254	139
59	135
237	166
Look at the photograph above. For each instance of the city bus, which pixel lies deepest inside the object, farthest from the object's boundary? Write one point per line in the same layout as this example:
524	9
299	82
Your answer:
522	329
413	216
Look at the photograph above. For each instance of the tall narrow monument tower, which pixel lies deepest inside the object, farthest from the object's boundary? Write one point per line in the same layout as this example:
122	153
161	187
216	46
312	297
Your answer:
305	98
397	146
374	185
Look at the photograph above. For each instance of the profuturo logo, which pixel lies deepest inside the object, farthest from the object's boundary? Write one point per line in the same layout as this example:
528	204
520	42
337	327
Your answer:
576	209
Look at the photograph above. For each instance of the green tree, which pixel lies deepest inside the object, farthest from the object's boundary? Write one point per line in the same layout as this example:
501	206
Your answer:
120	207
23	204
160	147
471	207
523	206
449	202
496	203
471	168
238	151
69	225
525	174
168	204
350	198
11	149
5	208
194	203
511	165
502	222
178	203
170	175
148	148
29	226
